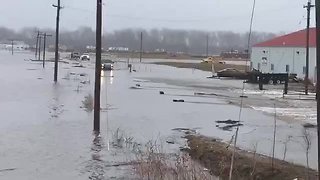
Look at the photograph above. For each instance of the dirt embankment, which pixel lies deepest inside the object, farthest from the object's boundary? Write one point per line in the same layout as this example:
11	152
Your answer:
202	66
216	156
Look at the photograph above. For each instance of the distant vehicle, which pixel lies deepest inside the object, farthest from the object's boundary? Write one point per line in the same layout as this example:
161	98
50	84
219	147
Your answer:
107	66
213	60
232	73
75	55
85	57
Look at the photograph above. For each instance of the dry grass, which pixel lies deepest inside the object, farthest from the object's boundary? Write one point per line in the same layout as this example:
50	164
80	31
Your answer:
216	156
159	166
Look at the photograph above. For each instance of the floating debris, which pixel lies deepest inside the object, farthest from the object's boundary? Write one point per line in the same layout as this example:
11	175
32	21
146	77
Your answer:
244	96
82	74
229	121
229	127
229	124
178	100
134	87
309	125
185	130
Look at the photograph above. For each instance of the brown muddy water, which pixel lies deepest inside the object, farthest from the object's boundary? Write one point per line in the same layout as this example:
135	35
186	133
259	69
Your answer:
46	132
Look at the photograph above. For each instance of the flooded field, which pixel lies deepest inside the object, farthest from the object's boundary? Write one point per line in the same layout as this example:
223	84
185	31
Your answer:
46	128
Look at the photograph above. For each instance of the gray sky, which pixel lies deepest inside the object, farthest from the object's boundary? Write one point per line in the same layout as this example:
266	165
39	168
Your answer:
233	15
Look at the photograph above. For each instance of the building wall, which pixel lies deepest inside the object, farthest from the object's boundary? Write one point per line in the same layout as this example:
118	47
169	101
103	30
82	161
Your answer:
283	59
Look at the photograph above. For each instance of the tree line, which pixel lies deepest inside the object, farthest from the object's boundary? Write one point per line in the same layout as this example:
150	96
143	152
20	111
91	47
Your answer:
188	41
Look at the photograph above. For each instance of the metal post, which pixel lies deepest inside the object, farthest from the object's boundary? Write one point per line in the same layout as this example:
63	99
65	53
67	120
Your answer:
317	2
309	6
97	89
56	55
141	36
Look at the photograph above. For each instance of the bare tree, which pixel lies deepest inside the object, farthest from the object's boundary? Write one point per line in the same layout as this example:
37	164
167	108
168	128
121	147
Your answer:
285	143
307	144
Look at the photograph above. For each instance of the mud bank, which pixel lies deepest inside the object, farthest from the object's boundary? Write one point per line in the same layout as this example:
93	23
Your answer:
216	156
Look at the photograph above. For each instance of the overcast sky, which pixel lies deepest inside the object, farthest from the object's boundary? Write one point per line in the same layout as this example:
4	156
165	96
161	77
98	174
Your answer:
208	15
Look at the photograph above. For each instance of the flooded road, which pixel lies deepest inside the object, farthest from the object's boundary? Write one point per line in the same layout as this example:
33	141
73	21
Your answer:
46	133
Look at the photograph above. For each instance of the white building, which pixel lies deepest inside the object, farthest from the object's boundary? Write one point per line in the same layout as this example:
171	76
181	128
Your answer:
286	54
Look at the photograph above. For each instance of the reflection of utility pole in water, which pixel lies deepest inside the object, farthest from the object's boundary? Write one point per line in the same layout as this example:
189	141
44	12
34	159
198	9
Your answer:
308	6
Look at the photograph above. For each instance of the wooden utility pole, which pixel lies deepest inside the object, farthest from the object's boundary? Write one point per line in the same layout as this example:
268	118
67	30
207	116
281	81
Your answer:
44	49
308	6
317	5
141	38
36	54
250	34
45	35
40	38
207	45
56	55
12	43
97	89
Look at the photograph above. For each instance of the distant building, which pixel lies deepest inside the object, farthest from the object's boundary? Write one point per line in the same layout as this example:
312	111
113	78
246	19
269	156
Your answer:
286	54
119	49
234	54
17	46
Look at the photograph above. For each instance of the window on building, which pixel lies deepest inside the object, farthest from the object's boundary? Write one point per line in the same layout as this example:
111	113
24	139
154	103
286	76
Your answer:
304	70
287	68
259	66
272	67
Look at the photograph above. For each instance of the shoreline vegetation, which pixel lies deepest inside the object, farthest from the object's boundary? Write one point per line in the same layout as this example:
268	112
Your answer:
216	157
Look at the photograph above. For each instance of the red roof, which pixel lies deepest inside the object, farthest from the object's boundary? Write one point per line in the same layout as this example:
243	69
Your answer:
296	39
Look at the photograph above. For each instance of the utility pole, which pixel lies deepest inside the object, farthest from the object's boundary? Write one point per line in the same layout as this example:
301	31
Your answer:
207	50
56	55
308	6
44	49
97	89
250	34
45	35
141	36
35	57
12	46
40	38
317	5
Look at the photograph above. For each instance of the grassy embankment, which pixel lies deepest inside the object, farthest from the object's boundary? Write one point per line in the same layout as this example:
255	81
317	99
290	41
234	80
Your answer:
216	156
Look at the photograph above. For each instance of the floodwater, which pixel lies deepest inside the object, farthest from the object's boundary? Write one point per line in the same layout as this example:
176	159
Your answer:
45	133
